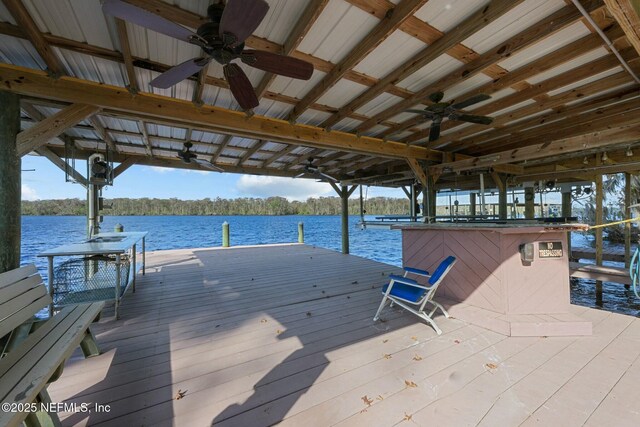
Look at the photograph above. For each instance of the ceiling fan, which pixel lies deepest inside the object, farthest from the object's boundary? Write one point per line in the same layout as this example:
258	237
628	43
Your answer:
310	169
437	111
221	39
188	157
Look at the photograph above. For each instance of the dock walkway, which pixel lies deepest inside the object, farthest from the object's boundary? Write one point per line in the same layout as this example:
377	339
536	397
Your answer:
284	334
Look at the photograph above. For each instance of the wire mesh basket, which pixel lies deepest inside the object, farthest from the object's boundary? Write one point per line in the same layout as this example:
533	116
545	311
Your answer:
89	279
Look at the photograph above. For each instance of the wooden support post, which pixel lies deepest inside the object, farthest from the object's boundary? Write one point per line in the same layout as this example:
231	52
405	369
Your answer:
361	206
300	232
472	204
627	226
412	202
344	196
566	212
10	184
599	220
501	183
529	202
430	208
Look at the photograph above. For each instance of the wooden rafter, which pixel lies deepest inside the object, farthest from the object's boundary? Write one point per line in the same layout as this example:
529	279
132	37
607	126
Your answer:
251	151
200	83
223	144
62	165
593	68
549	25
53	126
418	171
145	138
102	132
125	48
123	166
38	84
279	155
393	18
547	149
627	13
192	20
303	158
302	27
30	28
475	22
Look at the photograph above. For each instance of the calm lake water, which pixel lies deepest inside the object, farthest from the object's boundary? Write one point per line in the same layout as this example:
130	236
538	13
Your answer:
174	232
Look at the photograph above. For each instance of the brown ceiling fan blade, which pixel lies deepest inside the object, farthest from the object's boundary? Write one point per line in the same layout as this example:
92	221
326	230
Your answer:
434	133
481	120
240	86
278	64
468	102
135	15
241	18
178	73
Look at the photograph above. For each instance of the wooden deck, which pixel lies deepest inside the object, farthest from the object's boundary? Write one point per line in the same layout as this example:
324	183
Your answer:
284	334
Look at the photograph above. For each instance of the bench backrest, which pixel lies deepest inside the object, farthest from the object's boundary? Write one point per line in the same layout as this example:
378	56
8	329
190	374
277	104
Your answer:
22	294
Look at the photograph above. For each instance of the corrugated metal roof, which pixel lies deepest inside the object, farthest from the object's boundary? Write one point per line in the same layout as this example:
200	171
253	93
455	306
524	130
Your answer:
430	73
395	50
447	14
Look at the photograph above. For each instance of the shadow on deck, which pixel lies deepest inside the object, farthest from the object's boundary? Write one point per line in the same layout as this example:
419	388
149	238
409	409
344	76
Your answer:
284	334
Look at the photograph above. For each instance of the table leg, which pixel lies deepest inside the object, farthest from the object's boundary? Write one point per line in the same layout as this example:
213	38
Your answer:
144	262
51	282
117	303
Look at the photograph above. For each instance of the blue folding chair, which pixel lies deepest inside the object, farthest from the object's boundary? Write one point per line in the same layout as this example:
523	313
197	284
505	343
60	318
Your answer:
403	291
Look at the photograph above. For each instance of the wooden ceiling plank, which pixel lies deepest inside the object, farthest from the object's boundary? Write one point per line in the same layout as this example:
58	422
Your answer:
392	20
299	31
475	22
627	12
53	126
68	89
30	28
546	27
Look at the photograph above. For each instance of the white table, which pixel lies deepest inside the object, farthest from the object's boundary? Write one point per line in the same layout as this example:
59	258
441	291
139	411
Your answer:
102	244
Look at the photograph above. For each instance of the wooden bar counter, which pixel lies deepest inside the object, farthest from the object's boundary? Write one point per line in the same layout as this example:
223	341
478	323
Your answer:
491	285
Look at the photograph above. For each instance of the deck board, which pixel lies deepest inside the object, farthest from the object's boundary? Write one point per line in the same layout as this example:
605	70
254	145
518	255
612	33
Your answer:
283	334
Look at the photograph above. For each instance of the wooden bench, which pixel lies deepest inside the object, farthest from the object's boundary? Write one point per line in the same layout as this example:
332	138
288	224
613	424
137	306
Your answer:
35	351
600	272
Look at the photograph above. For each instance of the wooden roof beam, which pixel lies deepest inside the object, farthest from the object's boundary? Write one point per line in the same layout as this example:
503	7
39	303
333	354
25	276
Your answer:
302	27
627	13
123	166
223	144
471	25
392	20
547	26
542	150
84	48
102	132
68	89
30	28
53	126
145	138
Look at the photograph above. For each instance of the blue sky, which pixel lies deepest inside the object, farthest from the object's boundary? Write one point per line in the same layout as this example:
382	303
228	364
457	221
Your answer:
48	182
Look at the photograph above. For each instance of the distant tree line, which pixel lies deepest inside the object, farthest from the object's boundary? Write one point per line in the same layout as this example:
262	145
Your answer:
218	206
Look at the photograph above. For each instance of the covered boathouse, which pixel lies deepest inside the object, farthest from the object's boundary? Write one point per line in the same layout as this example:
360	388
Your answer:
427	95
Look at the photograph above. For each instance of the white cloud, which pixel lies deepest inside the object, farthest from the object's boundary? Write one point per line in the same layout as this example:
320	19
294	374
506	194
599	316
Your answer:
29	193
292	189
159	169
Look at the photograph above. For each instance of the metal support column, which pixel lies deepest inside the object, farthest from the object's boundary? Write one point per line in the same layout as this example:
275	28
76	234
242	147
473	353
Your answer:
10	182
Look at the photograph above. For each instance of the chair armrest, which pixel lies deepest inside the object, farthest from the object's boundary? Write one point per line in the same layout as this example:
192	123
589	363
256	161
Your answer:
406	281
416	271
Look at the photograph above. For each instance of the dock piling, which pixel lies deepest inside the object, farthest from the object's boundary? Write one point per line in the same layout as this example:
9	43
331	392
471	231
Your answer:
119	228
300	232
225	234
